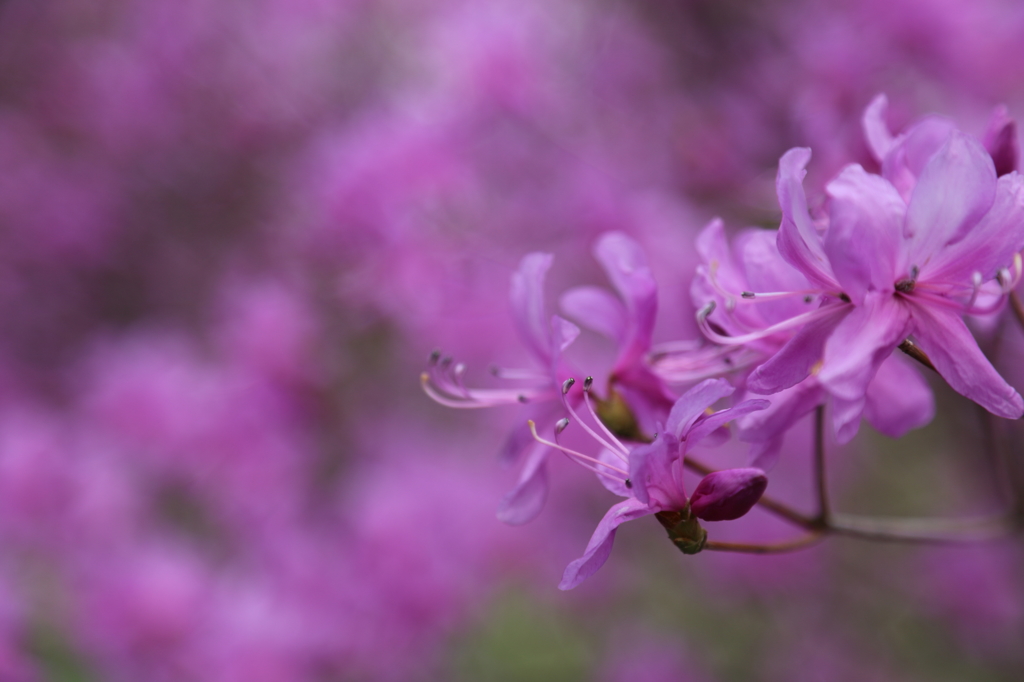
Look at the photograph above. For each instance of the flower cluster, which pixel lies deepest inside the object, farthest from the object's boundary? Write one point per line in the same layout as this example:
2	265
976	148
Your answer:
793	320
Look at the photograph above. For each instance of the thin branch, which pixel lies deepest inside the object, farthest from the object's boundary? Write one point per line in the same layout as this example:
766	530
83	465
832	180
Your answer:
929	531
1018	307
820	478
796	545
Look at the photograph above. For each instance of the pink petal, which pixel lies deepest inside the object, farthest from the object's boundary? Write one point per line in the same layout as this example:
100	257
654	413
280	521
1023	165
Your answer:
524	502
528	309
693	403
846	416
861	342
989	245
600	545
945	338
864	236
798	240
1001	141
625	263
912	150
898	398
596	309
955	189
794	361
876	132
708	425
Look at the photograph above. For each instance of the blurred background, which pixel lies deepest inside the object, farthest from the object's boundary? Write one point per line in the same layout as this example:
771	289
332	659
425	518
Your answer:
231	232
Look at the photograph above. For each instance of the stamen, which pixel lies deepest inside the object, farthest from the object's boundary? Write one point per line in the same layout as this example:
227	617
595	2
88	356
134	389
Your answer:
629	483
623	451
561	425
976	282
579	457
445	391
785	325
567	384
587	383
435	355
586	427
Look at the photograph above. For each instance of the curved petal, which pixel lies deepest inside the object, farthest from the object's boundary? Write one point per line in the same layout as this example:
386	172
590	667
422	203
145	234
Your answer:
846	416
794	361
528	309
864	237
798	240
523	503
705	427
766	429
861	342
767	271
876	132
956	188
911	151
625	263
613	484
991	244
600	545
1000	140
898	398
693	403
596	309
945	338
655	472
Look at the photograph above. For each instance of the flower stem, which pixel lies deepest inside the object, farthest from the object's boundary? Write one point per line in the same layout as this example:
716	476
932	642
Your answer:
803	542
820	478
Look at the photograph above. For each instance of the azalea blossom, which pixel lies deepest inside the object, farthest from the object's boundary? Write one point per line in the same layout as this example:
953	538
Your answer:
887	265
650	476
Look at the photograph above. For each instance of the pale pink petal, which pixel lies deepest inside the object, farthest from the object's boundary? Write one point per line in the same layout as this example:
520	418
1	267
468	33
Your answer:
943	335
798	240
693	403
787	407
528	309
955	189
626	265
600	545
898	398
864	236
1000	140
911	151
876	131
846	416
710	424
861	342
767	271
596	309
523	503
989	245
794	361
612	482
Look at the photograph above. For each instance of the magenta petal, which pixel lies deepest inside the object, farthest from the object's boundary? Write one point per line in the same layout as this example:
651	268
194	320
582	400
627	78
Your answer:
727	495
596	309
523	503
528	309
798	240
770	425
794	361
955	189
693	403
600	545
989	245
876	131
655	481
912	150
861	342
864	236
898	398
945	338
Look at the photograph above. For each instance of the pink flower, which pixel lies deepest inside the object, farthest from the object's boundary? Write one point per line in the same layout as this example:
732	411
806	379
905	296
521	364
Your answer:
650	477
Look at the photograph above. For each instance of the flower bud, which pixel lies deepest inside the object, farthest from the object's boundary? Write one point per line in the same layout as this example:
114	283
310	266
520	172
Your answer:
727	495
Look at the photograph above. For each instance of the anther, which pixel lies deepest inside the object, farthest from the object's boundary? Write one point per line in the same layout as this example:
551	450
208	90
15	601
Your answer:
629	483
460	369
567	384
435	355
494	370
914	272
808	299
522	398
587	383
561	425
446	361
748	294
844	298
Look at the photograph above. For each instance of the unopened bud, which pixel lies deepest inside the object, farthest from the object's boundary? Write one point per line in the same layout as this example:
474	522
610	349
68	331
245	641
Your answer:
727	495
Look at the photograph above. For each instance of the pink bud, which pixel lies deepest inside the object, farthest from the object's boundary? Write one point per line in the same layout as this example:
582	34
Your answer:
727	495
